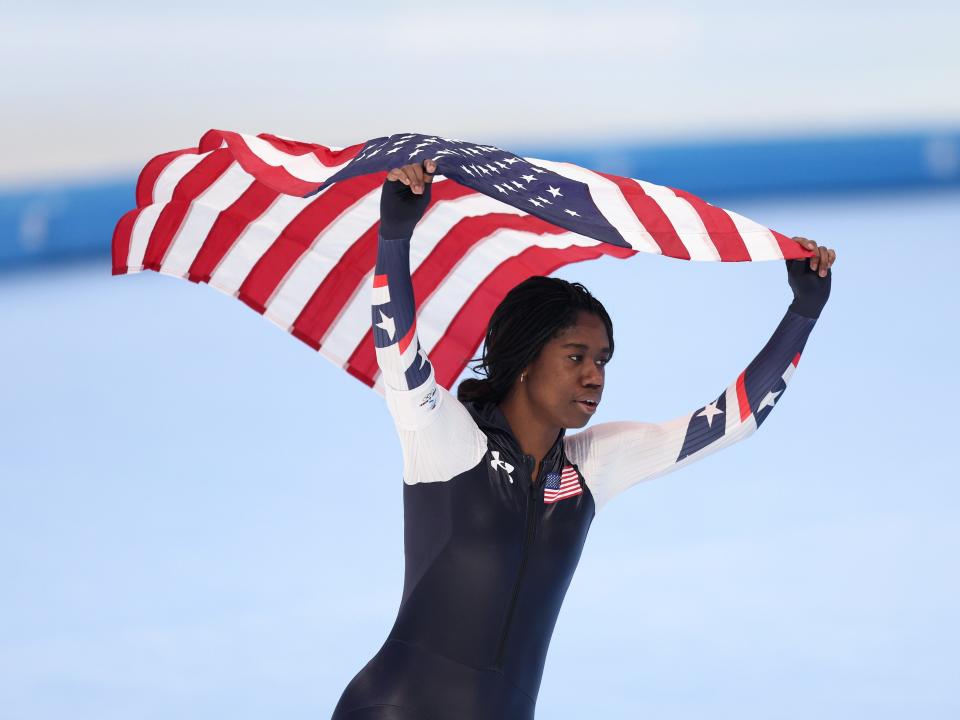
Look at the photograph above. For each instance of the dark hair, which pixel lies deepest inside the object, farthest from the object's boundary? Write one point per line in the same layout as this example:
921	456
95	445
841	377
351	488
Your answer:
531	314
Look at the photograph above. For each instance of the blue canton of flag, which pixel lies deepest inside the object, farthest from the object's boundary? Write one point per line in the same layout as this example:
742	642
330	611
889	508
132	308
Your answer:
487	169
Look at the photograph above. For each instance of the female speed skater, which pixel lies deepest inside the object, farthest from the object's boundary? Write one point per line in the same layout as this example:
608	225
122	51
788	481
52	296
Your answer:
497	497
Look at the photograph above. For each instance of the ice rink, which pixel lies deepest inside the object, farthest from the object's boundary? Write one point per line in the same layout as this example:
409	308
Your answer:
201	517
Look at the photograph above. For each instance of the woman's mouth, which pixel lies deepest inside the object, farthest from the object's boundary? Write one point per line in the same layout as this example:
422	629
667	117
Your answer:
590	407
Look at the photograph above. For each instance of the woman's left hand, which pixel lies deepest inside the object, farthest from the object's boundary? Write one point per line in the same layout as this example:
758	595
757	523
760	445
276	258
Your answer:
823	258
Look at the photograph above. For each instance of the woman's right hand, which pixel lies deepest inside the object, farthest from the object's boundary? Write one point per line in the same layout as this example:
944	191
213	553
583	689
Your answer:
414	175
810	278
404	198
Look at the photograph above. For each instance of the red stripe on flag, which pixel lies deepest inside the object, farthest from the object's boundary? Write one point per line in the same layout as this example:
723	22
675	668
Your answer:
320	312
276	176
332	295
742	400
723	232
451	355
444	257
299	236
651	216
228	227
796	359
791	249
322	153
191	185
151	171
120	246
380	281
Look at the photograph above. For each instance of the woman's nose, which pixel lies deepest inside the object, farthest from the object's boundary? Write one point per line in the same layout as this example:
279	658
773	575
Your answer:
594	376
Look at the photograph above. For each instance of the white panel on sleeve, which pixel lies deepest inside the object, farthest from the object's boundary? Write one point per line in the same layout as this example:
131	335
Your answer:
614	456
438	436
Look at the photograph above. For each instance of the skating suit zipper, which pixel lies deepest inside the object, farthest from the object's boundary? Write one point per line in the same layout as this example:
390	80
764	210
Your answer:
532	489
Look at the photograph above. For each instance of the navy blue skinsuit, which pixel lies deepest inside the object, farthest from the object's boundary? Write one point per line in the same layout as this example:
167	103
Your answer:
490	551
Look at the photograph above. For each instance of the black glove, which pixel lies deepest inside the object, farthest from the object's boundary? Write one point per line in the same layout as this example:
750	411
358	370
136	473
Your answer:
401	209
810	291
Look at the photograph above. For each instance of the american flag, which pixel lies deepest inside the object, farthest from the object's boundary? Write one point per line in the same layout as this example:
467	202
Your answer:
290	228
561	485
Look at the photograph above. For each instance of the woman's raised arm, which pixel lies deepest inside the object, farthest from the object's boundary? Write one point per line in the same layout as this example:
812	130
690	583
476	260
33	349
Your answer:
438	436
614	456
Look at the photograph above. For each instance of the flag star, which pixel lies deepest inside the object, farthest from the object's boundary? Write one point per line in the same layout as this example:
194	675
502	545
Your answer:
519	185
466	170
709	411
543	199
554	191
386	323
390	152
494	168
423	357
573	212
539	170
503	165
769	399
415	152
511	161
536	203
529	178
501	189
484	170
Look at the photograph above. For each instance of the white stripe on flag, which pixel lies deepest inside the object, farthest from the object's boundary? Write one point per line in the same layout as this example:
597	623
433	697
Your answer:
304	167
201	216
760	242
162	192
254	241
296	289
685	220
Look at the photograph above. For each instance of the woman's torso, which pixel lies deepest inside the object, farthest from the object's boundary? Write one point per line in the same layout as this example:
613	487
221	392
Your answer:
489	557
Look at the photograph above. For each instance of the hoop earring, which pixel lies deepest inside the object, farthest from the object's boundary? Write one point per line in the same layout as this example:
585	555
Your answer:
521	376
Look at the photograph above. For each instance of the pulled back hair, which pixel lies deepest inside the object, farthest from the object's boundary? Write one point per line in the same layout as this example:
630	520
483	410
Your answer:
531	314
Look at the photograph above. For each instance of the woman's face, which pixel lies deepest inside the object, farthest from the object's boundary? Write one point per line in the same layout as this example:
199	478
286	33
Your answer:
568	371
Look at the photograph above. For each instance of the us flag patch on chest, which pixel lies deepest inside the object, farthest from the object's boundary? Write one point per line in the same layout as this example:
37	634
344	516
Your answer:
561	485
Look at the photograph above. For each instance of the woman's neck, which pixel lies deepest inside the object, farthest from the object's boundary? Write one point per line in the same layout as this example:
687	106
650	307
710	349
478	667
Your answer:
534	436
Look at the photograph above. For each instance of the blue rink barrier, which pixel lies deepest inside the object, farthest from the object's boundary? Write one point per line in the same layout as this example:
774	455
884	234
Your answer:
56	223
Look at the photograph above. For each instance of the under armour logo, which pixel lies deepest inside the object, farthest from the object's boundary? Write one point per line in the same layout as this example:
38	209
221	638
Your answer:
497	463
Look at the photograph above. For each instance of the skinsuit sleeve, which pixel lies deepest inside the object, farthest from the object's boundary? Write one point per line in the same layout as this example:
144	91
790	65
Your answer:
438	436
614	456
